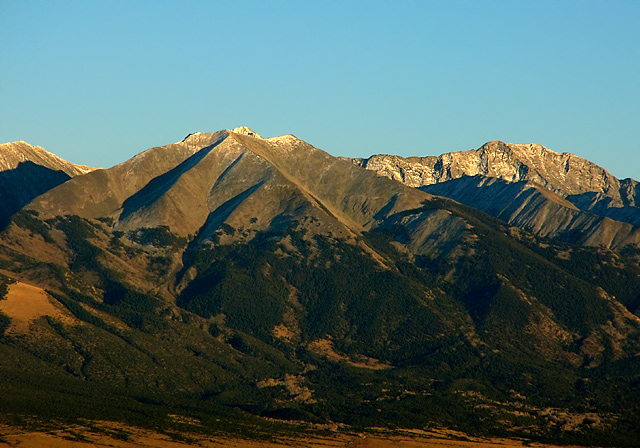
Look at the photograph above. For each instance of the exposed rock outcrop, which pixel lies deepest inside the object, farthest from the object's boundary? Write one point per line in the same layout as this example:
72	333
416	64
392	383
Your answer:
529	186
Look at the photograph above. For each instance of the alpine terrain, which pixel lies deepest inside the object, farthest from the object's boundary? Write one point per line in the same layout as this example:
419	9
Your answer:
209	284
550	194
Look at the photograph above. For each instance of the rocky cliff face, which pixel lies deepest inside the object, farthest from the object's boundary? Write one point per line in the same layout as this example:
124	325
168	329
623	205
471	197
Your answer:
563	185
562	173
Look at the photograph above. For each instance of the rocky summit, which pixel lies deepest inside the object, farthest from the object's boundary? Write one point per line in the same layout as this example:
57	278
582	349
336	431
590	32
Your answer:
529	186
237	281
562	173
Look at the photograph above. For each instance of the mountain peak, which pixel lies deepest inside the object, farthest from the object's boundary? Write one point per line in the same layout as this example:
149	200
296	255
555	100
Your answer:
246	131
14	153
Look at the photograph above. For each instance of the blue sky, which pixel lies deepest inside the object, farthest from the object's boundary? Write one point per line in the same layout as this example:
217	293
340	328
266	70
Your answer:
98	82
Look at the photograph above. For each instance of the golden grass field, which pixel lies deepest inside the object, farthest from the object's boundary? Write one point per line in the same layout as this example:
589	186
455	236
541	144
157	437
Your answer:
115	435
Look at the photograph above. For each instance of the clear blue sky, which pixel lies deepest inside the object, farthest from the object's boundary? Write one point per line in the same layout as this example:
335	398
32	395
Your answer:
97	82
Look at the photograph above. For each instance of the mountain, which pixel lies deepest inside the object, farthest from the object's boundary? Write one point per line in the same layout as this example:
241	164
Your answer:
229	276
224	174
529	186
28	171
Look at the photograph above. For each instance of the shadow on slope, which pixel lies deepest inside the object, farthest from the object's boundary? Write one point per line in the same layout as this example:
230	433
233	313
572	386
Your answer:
160	185
21	185
594	202
217	217
495	197
542	212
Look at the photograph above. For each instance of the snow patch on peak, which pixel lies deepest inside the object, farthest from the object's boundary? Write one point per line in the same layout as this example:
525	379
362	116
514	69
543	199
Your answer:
289	138
286	143
246	131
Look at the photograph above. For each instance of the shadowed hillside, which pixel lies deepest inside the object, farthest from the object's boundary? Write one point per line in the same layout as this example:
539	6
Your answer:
28	171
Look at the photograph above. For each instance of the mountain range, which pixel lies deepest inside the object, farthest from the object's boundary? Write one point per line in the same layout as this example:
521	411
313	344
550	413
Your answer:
554	195
228	276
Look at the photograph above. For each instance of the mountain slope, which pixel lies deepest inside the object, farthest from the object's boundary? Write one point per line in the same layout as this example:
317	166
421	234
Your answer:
537	210
26	172
225	174
561	184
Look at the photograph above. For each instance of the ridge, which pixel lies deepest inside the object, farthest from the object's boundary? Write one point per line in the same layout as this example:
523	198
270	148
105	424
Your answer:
14	153
563	173
498	175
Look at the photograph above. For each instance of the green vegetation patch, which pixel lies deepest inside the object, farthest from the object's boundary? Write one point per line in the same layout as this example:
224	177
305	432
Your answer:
5	321
160	237
4	286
